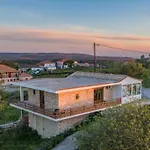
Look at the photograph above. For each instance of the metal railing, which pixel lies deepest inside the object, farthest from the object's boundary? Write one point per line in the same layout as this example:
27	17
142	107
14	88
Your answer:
56	113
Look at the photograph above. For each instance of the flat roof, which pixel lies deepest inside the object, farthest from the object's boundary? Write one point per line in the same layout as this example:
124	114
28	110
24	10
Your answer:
55	84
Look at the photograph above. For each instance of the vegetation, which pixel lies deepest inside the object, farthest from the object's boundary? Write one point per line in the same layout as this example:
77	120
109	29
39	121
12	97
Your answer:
8	113
121	128
12	64
70	63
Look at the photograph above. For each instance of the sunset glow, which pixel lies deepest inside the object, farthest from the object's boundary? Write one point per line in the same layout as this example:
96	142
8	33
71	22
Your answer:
48	26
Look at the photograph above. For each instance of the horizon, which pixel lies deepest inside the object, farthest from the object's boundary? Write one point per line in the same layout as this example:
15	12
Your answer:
72	27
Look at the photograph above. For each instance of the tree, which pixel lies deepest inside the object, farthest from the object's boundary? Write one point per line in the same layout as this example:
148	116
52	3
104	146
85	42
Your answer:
12	64
122	128
70	63
132	69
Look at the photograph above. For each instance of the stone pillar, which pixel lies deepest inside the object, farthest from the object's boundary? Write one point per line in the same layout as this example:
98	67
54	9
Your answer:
21	94
21	115
21	99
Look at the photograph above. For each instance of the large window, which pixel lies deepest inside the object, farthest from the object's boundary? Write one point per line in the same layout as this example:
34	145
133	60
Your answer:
134	89
138	87
129	90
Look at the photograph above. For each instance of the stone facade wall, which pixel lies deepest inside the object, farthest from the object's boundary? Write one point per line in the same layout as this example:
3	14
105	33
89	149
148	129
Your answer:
51	100
69	100
45	127
48	128
34	98
69	123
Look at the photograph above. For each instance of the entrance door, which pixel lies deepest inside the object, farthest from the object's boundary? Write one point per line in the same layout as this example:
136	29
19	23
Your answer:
98	95
41	99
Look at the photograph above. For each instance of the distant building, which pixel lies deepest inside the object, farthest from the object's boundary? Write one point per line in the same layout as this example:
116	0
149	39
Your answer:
148	59
47	65
24	76
55	105
37	69
61	65
83	64
8	74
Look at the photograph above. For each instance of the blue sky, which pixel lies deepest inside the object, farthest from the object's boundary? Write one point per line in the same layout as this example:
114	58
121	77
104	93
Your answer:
113	18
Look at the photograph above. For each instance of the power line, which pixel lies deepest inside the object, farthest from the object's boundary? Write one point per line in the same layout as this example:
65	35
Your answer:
123	49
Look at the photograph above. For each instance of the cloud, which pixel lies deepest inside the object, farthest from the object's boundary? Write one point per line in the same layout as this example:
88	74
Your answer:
26	39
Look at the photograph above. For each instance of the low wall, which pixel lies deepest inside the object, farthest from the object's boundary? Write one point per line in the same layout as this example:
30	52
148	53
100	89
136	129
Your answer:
9	125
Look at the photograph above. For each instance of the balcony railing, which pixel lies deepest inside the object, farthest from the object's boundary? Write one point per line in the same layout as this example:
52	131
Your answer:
57	114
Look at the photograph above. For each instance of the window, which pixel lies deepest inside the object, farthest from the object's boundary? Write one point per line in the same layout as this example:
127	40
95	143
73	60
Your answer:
34	92
127	90
134	89
138	89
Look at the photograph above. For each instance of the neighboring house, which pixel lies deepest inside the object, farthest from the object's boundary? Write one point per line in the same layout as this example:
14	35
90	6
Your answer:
61	65
8	74
48	65
55	105
24	76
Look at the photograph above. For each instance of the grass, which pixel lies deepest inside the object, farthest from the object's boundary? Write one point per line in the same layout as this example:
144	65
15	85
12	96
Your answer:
8	113
24	138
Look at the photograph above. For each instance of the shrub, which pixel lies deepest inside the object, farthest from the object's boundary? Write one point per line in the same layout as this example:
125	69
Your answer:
123	128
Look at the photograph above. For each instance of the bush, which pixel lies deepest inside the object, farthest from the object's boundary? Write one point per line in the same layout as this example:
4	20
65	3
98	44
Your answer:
124	128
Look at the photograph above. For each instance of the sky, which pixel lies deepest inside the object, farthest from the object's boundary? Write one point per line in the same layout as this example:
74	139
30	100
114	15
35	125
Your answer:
72	26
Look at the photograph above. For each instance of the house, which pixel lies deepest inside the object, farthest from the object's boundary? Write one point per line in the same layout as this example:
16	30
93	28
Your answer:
56	104
48	65
8	74
37	69
83	64
61	65
24	76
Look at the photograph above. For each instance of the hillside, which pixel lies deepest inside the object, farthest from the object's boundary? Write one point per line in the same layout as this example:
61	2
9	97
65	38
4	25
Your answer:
52	56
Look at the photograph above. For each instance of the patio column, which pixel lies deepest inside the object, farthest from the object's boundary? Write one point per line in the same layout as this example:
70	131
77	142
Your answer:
21	94
21	114
21	99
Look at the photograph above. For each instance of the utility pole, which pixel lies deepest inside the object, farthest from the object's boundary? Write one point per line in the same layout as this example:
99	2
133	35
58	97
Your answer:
94	57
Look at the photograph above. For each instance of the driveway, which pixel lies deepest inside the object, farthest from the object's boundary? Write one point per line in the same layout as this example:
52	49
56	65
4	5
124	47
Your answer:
146	93
68	143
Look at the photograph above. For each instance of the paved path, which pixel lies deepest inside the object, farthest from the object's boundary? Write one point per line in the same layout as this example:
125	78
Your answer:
68	144
146	93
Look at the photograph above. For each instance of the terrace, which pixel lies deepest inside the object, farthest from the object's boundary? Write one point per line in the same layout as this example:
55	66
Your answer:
58	115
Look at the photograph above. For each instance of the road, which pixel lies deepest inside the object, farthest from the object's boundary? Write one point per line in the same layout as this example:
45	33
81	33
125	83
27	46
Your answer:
146	93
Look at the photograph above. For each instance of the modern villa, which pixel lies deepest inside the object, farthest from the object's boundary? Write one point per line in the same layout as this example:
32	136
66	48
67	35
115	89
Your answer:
56	104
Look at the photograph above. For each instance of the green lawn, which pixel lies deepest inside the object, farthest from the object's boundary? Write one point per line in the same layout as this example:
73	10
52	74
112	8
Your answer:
8	113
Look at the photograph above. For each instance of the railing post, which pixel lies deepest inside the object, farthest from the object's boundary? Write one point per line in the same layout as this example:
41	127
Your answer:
70	111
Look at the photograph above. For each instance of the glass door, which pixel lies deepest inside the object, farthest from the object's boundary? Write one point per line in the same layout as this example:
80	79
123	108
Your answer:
42	99
98	95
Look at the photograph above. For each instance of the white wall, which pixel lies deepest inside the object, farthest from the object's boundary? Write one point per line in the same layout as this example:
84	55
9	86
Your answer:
130	81
112	93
